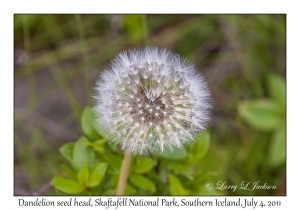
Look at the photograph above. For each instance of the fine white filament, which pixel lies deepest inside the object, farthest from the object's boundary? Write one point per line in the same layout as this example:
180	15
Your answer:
150	100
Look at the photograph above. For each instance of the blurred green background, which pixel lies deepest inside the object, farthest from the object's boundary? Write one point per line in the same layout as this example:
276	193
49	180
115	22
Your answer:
58	58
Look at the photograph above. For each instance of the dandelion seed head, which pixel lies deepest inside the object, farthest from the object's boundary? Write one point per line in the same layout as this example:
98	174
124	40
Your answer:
151	100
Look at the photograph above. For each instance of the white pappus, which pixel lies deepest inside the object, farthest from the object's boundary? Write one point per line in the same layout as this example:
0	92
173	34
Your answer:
151	99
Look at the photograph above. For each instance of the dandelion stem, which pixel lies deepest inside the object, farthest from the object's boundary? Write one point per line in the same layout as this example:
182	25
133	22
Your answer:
124	174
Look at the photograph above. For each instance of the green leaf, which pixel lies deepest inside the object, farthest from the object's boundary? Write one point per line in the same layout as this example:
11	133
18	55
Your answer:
175	186
83	155
67	150
201	145
129	190
97	174
277	88
179	168
83	176
115	162
176	154
114	179
278	147
142	182
67	185
262	114
69	171
98	145
88	125
143	165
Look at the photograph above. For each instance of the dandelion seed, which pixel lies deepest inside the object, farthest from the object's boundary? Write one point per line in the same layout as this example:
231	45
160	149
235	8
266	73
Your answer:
151	87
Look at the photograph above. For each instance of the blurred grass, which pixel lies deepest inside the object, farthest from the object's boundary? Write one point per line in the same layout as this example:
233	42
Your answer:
64	54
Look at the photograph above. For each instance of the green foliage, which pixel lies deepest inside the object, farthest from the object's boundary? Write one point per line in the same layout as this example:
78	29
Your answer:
143	165
67	185
92	160
114	161
83	176
97	174
175	154
277	89
83	155
69	171
269	115
175	186
277	149
261	114
129	190
88	125
67	151
142	182
199	147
